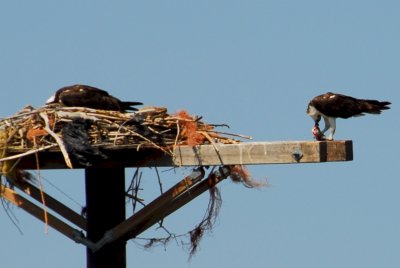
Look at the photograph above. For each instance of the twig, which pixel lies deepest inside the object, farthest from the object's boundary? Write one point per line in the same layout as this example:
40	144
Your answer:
32	151
134	187
205	134
146	139
10	215
178	132
45	215
140	200
159	181
231	134
24	114
57	138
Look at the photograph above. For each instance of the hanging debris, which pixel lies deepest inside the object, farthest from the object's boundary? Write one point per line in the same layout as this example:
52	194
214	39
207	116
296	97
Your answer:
76	140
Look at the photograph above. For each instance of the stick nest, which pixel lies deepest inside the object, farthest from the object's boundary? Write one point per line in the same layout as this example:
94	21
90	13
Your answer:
45	127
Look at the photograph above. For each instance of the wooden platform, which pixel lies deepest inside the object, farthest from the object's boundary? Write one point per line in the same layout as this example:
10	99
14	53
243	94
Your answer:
246	153
105	202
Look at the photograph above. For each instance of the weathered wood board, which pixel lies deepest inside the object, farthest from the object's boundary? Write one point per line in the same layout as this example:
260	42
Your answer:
250	153
246	153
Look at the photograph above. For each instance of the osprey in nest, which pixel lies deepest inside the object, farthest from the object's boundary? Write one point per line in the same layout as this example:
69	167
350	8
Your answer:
331	106
90	97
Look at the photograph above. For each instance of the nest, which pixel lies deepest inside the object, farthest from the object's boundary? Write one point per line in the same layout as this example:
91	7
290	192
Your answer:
69	127
80	133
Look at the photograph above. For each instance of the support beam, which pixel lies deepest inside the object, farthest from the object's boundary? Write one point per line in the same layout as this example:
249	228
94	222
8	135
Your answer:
51	202
105	207
39	213
177	196
211	181
160	203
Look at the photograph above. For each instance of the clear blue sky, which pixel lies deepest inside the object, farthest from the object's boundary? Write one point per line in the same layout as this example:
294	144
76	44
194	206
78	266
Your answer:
253	65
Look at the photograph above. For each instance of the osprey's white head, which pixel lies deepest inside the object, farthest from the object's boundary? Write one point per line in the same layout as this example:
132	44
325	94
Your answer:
314	113
51	99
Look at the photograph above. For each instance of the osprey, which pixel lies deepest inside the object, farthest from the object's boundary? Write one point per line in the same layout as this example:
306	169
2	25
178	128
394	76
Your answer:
90	97
331	106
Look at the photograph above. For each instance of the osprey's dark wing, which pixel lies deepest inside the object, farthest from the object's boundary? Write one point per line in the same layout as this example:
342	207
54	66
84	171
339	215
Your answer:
339	105
91	97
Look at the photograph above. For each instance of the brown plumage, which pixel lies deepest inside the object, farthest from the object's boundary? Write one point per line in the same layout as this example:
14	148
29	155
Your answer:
90	97
332	105
339	105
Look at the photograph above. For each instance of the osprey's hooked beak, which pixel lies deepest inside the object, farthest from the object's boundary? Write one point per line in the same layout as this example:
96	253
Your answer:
316	121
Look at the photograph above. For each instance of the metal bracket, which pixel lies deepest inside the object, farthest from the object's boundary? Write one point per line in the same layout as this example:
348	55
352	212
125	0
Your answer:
297	155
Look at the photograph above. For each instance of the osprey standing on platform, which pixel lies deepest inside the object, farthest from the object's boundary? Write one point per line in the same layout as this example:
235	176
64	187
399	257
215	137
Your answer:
331	106
90	97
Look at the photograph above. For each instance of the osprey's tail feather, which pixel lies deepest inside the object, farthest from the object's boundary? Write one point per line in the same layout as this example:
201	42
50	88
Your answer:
374	106
127	105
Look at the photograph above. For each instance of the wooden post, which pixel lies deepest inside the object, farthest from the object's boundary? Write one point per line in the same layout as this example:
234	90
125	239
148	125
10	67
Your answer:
105	204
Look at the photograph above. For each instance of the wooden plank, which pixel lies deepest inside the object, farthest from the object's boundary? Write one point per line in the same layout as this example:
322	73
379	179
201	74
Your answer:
38	212
247	153
51	203
252	153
